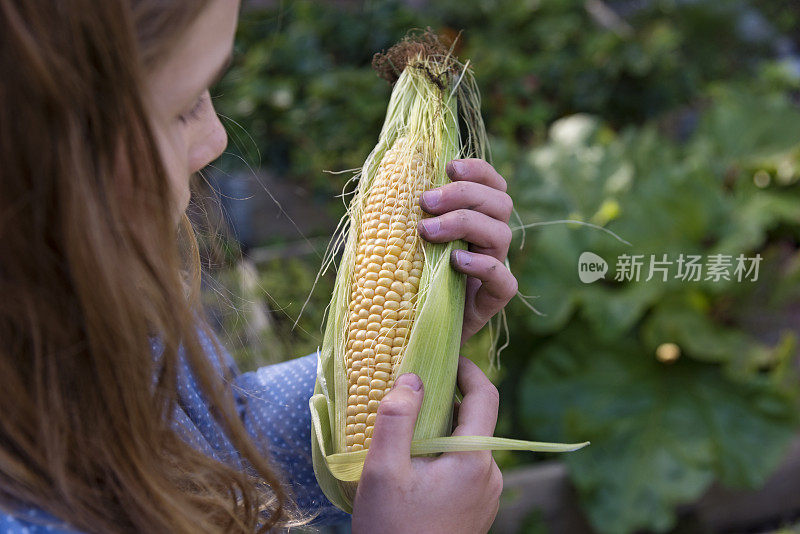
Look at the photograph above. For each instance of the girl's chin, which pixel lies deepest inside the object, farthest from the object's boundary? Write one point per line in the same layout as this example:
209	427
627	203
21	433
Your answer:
180	209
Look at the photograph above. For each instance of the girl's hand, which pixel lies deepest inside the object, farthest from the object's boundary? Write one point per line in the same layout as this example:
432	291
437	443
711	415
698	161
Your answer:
476	208
455	493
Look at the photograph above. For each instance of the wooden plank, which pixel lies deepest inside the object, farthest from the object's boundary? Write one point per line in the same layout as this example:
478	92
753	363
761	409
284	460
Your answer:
544	487
725	510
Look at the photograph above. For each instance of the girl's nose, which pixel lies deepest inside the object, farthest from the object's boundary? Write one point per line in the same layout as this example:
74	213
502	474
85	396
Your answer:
210	144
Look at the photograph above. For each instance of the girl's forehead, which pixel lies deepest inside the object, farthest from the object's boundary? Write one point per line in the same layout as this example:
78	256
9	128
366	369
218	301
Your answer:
197	57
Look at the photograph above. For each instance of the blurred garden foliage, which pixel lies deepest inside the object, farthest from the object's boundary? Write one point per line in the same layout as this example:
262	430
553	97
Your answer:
662	121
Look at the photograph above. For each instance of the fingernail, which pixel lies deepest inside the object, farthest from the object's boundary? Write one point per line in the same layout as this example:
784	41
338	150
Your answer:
462	257
457	167
431	226
409	380
431	198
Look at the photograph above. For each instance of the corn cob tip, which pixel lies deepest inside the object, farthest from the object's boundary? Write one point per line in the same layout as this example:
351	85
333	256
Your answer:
390	64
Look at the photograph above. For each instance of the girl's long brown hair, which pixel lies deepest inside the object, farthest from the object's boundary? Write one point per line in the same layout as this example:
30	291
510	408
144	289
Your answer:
90	273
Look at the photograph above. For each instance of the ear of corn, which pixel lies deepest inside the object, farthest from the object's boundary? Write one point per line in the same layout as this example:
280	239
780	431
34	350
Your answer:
384	290
397	305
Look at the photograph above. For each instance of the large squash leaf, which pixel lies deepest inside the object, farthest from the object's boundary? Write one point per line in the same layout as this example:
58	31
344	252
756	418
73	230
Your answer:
660	433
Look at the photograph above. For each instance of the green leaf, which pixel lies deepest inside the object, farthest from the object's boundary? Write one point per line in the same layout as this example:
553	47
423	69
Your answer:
745	125
678	321
660	433
611	312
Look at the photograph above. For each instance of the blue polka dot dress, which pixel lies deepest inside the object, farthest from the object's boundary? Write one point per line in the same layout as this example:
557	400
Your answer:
273	404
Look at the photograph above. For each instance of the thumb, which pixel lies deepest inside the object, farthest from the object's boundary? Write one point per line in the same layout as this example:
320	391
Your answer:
394	425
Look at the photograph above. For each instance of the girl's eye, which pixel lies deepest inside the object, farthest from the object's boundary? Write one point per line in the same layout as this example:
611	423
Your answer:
193	113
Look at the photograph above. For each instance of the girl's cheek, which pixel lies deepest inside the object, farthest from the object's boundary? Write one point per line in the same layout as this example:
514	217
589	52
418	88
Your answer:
173	148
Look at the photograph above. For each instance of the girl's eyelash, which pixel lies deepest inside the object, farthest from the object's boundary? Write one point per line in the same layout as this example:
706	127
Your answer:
194	112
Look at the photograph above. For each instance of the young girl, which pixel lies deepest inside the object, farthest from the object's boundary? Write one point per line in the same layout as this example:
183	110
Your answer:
119	412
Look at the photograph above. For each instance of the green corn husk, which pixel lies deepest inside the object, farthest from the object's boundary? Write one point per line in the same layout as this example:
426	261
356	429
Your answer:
432	99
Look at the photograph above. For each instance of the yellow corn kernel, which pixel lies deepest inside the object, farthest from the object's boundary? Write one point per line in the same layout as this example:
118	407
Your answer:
388	246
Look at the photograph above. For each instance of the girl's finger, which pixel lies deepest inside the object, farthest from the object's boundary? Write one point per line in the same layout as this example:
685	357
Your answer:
491	235
394	426
477	415
468	195
475	170
497	284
